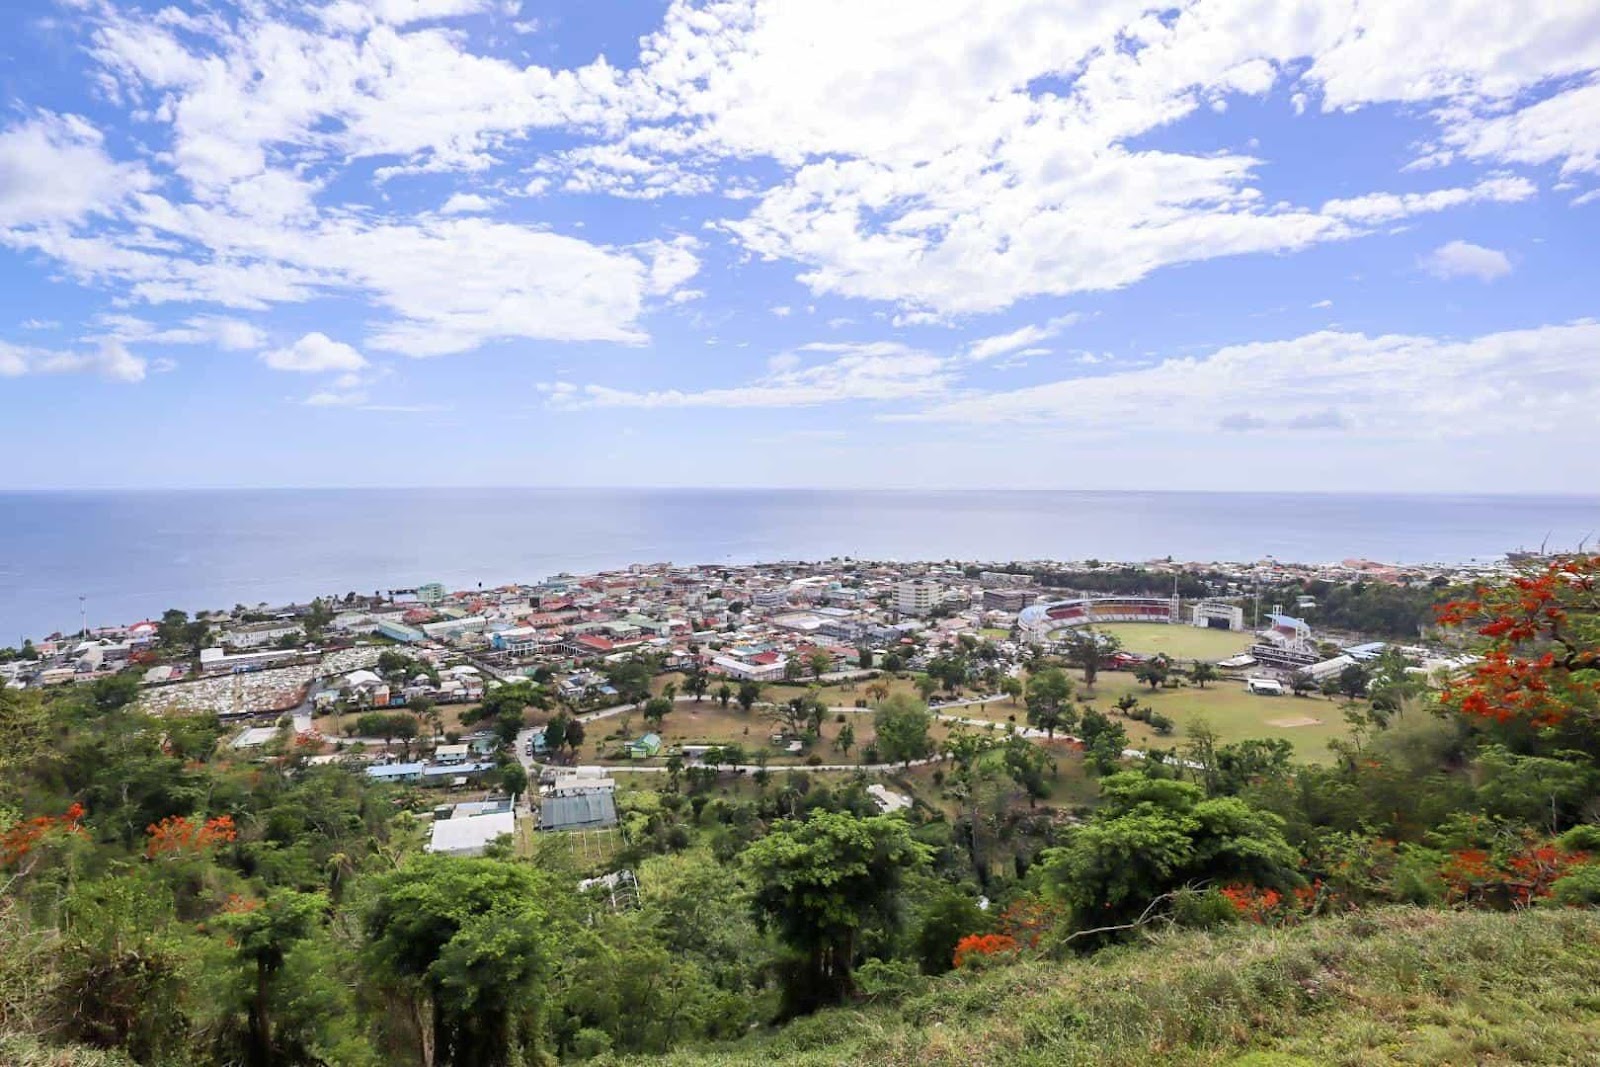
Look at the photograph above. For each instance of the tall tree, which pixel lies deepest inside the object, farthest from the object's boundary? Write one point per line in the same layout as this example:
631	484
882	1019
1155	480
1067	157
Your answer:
262	937
820	883
902	724
469	943
1049	701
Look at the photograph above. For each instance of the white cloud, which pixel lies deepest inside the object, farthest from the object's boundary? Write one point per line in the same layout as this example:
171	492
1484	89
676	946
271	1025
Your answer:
107	357
228	334
1323	304
466	204
879	371
782	311
1000	344
1380	387
314	352
1462	259
54	169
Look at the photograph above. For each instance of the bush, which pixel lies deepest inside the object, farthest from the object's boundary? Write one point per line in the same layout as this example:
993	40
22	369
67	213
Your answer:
1579	889
1202	909
813	760
888	981
589	1043
1585	838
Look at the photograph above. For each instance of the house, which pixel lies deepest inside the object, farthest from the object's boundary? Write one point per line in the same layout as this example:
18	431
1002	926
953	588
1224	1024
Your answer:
645	747
583	811
396	772
451	753
471	835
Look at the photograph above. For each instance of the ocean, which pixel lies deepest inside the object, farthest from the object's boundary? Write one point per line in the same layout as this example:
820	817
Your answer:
131	555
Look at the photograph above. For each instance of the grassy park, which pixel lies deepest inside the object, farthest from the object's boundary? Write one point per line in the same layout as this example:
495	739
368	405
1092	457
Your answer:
1177	642
1306	722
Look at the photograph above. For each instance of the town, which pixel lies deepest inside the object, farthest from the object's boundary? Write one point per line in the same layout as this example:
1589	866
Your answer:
519	709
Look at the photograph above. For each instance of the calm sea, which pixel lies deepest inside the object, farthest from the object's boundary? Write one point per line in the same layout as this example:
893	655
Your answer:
133	554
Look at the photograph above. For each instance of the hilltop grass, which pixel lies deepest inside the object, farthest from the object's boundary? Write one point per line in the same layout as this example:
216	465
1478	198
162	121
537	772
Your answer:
1394	986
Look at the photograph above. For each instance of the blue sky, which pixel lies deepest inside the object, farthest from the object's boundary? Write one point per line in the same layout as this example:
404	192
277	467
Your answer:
1223	245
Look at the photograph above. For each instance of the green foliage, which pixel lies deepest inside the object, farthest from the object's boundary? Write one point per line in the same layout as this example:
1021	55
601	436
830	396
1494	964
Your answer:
474	939
1152	836
1049	701
819	882
902	724
947	918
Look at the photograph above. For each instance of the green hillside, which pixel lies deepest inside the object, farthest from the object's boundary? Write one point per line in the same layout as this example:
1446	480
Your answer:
1392	986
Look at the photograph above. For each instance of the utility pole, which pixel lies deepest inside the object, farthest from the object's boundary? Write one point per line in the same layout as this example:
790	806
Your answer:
83	615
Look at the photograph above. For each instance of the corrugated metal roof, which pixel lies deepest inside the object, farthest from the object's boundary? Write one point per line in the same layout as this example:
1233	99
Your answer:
472	833
582	812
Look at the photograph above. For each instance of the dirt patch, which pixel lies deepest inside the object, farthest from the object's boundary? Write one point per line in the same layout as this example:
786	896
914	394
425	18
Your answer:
1285	724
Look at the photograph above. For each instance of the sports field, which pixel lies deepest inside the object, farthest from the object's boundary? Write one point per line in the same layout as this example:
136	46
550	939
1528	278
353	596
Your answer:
1306	722
1178	642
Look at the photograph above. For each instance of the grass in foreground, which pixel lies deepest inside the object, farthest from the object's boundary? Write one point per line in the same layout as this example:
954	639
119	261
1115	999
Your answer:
1399	986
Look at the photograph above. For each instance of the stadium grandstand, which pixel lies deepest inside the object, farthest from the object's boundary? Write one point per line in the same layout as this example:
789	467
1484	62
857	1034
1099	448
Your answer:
1041	620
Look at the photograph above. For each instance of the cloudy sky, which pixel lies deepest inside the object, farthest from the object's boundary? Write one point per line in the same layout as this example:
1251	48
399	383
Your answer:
1347	244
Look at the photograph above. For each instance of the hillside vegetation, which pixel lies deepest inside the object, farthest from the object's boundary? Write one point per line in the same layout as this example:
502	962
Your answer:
1387	986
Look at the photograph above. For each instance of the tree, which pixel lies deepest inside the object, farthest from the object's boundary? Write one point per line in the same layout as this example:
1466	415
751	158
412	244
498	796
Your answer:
927	685
799	714
749	693
1027	765
513	778
864	658
1151	836
1201	673
877	690
697	681
1301	683
555	731
902	723
657	709
1091	650
1153	672
819	883
1103	741
792	669
1353	681
115	692
1049	701
1011	686
261	937
846	738
316	619
468	944
820	662
574	736
724	694
949	917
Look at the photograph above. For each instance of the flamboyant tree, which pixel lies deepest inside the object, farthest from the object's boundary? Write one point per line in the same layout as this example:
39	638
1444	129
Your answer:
1541	659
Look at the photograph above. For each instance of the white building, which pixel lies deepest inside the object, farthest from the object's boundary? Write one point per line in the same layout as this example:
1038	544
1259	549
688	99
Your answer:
471	835
258	634
1217	614
916	596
